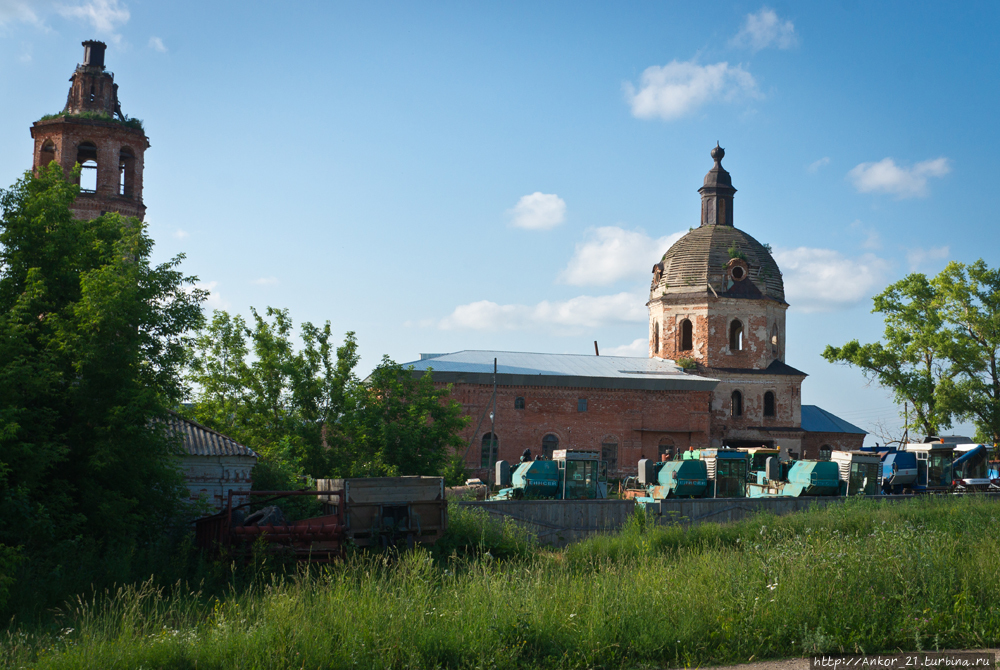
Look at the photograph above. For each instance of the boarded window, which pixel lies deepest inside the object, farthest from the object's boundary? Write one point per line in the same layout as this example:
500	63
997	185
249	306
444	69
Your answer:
491	446
549	444
737	404
519	403
769	403
48	153
687	335
581	404
736	335
609	453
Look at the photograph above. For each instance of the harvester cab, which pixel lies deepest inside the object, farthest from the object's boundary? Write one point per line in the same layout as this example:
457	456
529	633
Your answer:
757	461
972	468
726	469
859	472
934	464
570	475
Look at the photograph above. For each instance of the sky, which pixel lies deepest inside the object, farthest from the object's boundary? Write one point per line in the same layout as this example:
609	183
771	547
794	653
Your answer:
447	176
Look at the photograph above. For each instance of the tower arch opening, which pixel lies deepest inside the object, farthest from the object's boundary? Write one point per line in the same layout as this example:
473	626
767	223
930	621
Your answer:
126	172
47	154
736	404
687	335
736	335
86	156
656	338
769	403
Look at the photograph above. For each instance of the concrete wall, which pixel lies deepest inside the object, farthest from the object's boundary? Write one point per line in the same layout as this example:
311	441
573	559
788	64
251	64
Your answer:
559	522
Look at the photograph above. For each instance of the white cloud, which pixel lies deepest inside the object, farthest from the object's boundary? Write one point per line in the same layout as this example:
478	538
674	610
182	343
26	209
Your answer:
611	253
181	234
765	29
538	211
103	15
679	88
920	259
816	165
581	312
887	177
823	280
21	11
639	347
265	281
156	44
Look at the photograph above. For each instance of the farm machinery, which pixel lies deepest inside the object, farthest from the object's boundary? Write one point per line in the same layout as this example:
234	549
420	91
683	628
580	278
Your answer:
794	479
569	475
364	512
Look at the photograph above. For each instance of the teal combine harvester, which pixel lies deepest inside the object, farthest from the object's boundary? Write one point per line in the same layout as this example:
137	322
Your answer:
684	478
794	479
570	475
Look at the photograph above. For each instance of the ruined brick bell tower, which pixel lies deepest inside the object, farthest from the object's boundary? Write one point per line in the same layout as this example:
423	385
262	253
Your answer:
92	131
717	301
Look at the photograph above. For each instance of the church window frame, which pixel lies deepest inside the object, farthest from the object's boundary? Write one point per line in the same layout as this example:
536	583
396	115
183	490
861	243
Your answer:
687	335
490	450
825	452
126	171
736	403
519	402
550	442
770	404
737	338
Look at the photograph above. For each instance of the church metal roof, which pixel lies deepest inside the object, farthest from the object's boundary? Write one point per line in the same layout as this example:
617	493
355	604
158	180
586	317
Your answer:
818	420
518	368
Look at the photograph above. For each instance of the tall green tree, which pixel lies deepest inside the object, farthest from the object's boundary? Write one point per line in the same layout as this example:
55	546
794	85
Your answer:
913	358
971	305
401	424
251	384
91	350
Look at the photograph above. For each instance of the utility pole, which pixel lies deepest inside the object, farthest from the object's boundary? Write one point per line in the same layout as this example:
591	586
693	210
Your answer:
493	434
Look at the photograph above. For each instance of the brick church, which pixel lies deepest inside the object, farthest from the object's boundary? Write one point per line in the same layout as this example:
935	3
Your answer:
716	372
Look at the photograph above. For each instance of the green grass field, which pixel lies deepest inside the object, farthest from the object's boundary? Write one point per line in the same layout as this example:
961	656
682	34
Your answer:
859	577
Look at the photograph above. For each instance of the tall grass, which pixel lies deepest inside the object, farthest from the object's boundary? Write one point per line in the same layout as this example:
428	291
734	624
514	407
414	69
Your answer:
861	577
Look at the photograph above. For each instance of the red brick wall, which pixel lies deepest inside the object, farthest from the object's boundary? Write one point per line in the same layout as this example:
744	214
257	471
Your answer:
110	138
637	420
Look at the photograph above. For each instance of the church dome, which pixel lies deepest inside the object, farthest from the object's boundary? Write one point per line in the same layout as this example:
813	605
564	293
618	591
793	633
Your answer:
718	258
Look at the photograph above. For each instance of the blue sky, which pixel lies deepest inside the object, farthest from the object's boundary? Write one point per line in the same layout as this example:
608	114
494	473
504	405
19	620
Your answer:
455	176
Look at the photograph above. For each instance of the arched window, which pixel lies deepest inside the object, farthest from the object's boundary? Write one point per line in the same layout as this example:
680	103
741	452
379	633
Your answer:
549	444
737	405
47	154
490	451
665	448
769	403
736	335
518	402
774	340
609	453
86	156
687	335
824	452
656	338
126	172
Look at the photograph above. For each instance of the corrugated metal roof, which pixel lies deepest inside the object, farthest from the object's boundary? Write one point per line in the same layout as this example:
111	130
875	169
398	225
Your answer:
197	440
818	420
531	369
